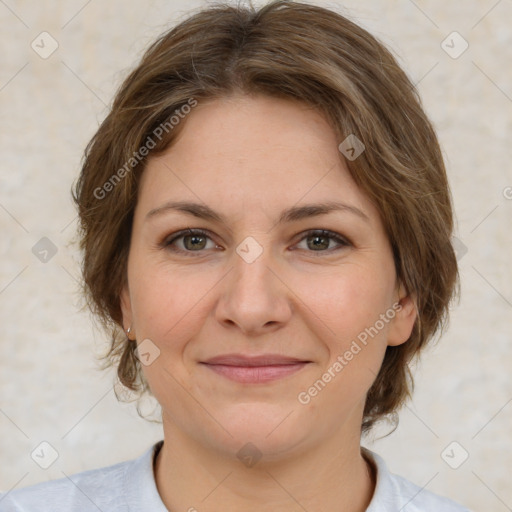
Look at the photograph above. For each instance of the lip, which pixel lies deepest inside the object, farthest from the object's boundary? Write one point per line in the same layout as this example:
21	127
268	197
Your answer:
247	360
255	369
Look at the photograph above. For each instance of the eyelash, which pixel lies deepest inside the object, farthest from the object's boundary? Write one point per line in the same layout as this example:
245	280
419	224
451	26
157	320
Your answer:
168	241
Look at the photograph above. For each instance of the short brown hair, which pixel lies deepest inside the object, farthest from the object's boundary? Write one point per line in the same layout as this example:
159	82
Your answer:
290	50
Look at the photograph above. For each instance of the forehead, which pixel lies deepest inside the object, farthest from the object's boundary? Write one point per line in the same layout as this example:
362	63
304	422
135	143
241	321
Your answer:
249	153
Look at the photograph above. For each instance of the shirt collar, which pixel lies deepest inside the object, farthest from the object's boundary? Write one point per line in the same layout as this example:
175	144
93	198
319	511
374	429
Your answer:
142	494
140	485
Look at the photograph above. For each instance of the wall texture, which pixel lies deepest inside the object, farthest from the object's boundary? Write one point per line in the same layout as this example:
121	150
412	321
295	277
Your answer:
50	105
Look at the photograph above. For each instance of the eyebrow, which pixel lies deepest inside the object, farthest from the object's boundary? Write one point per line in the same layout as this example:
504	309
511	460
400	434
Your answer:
292	214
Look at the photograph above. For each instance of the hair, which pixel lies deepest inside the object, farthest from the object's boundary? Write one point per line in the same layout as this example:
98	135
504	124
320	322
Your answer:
288	50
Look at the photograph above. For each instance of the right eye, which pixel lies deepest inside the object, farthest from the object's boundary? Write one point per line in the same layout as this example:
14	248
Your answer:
193	240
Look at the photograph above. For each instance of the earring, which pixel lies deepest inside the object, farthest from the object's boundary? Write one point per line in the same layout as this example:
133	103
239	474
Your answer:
129	330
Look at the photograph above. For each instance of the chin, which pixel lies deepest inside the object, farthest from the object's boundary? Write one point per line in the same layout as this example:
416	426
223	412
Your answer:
270	430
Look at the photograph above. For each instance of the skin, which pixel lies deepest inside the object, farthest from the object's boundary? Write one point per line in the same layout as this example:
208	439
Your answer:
249	158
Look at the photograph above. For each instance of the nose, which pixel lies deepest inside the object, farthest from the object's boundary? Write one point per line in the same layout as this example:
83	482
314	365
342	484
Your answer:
253	296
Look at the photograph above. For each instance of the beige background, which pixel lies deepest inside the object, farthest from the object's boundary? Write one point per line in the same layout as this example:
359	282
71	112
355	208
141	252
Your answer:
50	387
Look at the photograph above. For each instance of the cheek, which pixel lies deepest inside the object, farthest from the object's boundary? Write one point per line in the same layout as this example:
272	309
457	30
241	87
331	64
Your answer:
170	310
347	300
169	304
349	304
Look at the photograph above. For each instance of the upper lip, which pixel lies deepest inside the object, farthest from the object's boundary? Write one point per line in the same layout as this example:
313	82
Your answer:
246	360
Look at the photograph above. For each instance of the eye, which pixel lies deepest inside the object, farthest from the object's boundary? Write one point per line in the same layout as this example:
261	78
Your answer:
194	240
318	240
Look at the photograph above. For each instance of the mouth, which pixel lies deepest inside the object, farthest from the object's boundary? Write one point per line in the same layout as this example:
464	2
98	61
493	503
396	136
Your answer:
254	369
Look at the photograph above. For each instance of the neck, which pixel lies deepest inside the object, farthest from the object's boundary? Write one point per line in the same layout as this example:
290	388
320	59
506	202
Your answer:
332	476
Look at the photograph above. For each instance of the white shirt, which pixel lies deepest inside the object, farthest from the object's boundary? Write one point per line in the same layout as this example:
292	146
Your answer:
130	486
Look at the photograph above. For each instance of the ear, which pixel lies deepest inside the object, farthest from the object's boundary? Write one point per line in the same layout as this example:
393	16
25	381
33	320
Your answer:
126	307
405	315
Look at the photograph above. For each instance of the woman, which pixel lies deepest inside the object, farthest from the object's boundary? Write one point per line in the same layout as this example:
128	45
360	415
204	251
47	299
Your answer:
266	227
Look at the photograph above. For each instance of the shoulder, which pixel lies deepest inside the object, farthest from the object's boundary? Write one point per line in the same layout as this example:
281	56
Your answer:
90	490
394	492
419	499
108	488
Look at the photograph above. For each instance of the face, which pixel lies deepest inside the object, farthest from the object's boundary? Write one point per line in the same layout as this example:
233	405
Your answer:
250	271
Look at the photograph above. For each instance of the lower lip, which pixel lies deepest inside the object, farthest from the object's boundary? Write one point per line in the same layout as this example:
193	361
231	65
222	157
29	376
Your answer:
256	374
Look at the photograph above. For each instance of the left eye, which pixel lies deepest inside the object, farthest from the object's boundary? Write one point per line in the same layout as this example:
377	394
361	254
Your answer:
195	240
320	239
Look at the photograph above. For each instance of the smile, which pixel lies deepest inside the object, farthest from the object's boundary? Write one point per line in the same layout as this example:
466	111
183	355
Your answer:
256	374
